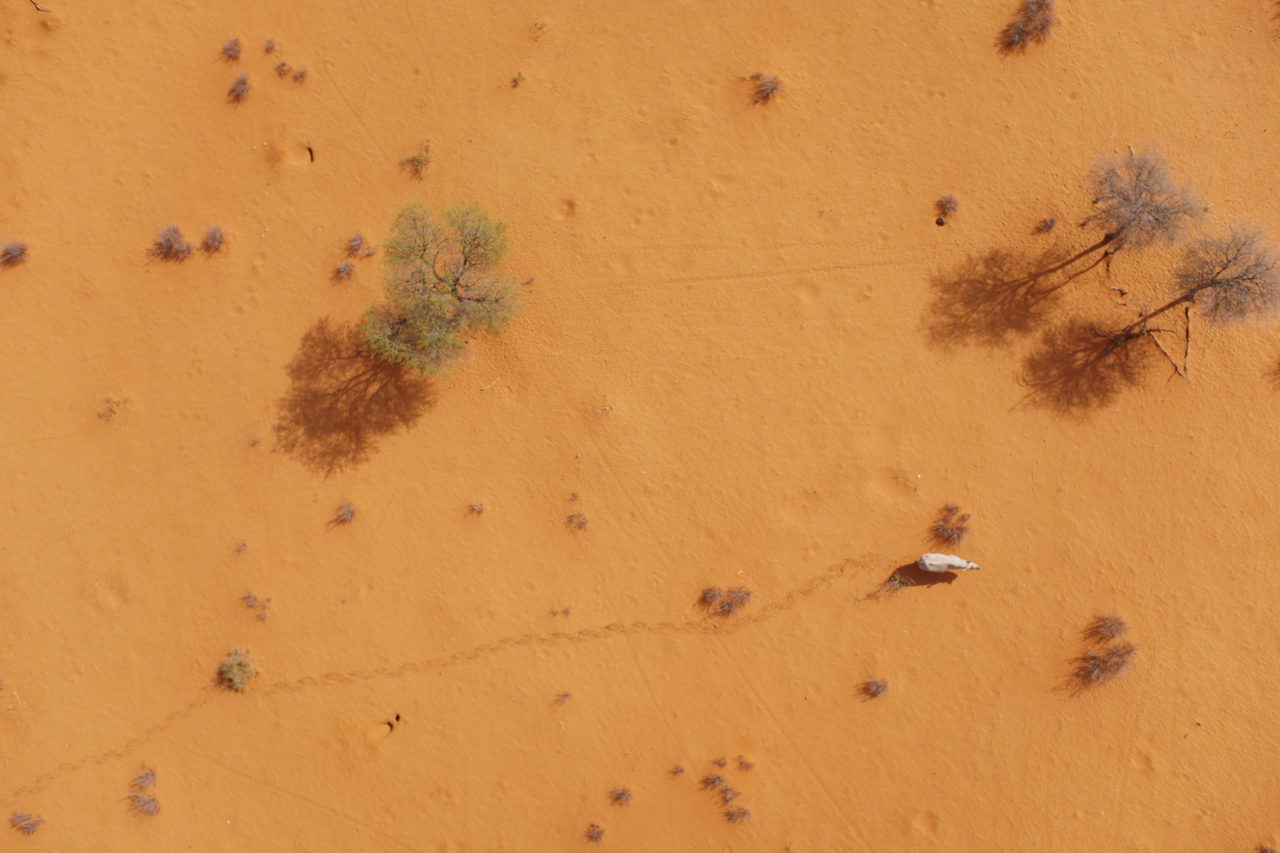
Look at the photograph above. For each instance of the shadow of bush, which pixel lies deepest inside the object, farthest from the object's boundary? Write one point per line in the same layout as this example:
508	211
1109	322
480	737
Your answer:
341	401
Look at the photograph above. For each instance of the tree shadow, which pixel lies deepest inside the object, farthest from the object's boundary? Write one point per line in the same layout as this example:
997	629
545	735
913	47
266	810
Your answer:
1074	368
341	401
990	298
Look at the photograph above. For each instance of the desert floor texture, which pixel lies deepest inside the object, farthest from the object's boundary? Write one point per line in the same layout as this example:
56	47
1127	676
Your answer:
747	355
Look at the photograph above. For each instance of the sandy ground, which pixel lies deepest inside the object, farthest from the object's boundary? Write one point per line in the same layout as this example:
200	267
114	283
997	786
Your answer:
748	351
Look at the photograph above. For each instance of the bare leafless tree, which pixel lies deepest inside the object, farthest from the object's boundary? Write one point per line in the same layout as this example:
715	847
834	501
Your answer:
1137	203
1227	278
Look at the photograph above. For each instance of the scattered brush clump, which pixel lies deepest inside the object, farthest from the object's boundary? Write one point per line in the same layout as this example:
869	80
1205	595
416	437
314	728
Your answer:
300	76
873	687
235	670
475	509
594	833
576	520
951	526
1098	666
283	69
270	46
1029	26
1104	629
897	581
213	240
764	87
231	50
144	780
416	163
744	764
239	89
945	207
344	271
13	253
737	814
108	411
144	805
345	514
170	245
678	770
1044	226
720	762
25	823
356	246
724	602
259	605
713	780
620	796
1262	848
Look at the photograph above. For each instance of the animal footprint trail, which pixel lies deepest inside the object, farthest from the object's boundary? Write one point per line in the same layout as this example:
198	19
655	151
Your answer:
441	663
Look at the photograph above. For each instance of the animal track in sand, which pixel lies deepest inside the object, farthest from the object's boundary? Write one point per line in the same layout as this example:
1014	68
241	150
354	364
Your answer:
705	625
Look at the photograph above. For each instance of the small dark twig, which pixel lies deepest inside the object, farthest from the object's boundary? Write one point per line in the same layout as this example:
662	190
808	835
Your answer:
40	8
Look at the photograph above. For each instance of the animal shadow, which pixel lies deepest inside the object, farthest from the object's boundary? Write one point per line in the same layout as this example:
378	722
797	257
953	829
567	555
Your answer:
341	401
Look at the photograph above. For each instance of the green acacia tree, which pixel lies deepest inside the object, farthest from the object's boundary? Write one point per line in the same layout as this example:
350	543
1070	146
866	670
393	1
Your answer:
442	284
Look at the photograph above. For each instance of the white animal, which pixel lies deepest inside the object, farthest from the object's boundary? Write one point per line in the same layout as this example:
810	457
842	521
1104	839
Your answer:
945	563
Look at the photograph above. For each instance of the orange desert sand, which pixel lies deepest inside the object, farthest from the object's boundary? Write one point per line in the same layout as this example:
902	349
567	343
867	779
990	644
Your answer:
745	348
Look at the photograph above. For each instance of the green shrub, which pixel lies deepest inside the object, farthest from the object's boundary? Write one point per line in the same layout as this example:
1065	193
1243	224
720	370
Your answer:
441	286
236	670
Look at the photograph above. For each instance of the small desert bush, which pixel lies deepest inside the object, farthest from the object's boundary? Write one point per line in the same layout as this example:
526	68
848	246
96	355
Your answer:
345	514
946	207
873	687
170	245
344	271
283	69
270	46
950	527
576	520
737	814
764	87
25	823
231	50
355	245
620	796
235	670
300	76
239	89
213	240
442	286
145	805
1098	666
1104	629
144	780
1136	201
594	833
13	253
416	163
1029	26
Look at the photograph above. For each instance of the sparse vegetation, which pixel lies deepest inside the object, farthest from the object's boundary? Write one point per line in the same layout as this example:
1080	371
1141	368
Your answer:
720	761
231	50
345	514
678	770
25	823
873	687
1262	848
713	780
258	605
576	520
416	163
236	669
300	76
13	253
355	245
945	207
1044	226
442	286
239	89
213	240
728	794
594	833
744	764
283	69
1104	629
344	271
475	509
897	581
108	411
1137	203
620	796
1098	666
517	80
764	87
145	805
270	46
735	598
170	245
737	814
563	698
951	526
1029	26
144	780
710	598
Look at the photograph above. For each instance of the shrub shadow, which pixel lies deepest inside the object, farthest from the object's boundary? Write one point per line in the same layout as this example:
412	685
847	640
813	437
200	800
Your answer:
1074	368
341	401
990	298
